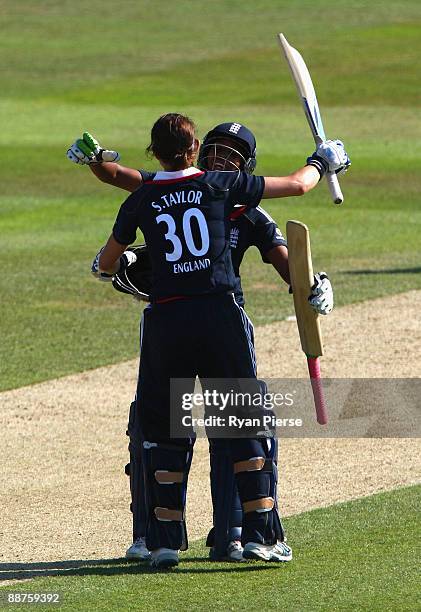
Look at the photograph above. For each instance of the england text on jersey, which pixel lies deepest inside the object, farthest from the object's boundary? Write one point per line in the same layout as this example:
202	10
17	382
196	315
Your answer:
192	266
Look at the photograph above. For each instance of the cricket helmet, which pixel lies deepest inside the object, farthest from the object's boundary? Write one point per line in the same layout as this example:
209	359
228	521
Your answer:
240	136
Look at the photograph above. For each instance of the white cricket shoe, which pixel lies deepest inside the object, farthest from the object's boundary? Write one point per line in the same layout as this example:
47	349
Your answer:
263	552
163	558
138	550
235	551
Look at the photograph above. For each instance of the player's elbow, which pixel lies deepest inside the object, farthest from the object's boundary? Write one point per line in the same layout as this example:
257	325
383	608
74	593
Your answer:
300	188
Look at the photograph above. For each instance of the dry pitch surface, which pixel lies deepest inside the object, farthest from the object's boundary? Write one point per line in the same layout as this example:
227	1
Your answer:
64	492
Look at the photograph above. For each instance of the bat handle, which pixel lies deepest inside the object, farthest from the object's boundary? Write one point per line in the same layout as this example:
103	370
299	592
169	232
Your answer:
316	384
334	188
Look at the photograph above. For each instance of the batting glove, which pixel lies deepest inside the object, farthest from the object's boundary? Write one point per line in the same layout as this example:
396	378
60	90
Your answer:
87	150
126	260
330	156
102	276
321	297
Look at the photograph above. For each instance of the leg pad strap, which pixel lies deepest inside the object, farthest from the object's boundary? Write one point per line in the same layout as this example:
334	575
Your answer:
166	514
167	477
255	464
259	505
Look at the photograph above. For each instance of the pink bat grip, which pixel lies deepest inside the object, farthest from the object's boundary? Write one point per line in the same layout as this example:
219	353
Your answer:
316	384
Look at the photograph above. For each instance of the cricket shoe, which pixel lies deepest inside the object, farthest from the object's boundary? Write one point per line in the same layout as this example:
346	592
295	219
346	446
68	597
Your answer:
234	552
138	550
164	558
263	552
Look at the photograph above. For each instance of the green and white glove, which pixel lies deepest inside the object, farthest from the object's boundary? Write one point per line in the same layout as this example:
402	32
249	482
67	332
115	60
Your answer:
87	150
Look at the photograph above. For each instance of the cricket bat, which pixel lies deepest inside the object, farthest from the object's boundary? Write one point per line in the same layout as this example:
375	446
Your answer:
308	99
301	274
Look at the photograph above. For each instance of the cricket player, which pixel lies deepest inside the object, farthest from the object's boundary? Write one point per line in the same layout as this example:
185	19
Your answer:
221	150
297	184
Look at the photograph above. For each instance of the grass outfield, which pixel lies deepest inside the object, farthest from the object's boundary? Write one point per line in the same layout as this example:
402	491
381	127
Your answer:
360	555
68	68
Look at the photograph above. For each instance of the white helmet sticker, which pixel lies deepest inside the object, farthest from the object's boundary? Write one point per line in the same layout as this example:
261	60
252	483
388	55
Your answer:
235	127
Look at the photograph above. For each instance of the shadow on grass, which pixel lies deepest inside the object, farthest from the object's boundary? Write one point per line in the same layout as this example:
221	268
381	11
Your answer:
112	567
386	271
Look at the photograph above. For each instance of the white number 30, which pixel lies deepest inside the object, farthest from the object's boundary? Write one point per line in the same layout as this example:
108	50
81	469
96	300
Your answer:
177	252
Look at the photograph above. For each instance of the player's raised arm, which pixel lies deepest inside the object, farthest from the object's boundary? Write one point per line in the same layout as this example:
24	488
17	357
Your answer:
114	174
295	184
102	163
330	156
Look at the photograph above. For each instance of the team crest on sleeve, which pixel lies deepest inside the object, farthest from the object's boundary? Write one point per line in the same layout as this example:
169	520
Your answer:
234	237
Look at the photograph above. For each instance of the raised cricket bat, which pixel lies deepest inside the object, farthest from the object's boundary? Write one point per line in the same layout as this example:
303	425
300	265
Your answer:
301	273
308	99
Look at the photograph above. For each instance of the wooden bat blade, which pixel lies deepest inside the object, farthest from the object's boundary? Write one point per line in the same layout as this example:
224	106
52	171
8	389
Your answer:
305	88
301	273
308	98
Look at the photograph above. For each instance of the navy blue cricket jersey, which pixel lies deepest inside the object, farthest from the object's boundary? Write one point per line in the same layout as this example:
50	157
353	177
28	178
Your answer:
184	218
251	227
